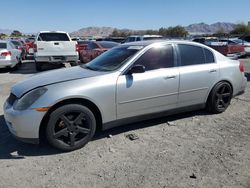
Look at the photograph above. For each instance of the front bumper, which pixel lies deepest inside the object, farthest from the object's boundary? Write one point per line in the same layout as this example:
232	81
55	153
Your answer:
24	125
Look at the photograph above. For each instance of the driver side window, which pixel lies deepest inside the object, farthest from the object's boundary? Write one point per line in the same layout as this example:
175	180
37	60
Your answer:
157	58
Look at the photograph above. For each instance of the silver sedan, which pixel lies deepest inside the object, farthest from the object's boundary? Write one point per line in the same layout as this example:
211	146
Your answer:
128	83
10	56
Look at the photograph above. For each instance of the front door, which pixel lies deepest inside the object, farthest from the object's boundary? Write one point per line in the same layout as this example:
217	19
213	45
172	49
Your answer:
154	90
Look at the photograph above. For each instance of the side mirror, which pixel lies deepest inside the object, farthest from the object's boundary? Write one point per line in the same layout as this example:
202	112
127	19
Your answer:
136	69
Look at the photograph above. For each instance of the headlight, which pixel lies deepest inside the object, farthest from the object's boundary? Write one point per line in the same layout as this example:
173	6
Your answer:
29	98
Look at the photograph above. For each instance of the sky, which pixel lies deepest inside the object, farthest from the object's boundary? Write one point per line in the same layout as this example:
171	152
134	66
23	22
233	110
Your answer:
70	15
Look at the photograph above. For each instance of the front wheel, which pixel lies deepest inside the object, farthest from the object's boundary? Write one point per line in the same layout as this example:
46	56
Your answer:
70	127
220	97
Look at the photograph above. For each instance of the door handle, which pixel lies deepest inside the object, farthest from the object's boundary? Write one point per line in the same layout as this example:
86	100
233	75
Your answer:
170	77
212	70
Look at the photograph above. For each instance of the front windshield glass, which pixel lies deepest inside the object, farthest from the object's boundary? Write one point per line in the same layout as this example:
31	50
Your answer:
112	59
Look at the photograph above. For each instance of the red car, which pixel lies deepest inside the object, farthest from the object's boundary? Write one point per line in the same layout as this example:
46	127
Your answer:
29	43
91	49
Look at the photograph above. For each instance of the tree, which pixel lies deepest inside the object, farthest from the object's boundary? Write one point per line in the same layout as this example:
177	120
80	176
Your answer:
220	33
2	35
173	32
241	29
16	33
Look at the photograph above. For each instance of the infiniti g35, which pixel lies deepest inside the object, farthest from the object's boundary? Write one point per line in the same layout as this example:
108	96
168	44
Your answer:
128	83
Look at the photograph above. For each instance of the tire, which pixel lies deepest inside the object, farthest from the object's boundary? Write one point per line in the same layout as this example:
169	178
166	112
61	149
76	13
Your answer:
73	63
219	98
38	66
70	127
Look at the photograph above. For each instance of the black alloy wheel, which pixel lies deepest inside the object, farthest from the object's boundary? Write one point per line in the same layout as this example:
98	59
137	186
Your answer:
220	97
70	127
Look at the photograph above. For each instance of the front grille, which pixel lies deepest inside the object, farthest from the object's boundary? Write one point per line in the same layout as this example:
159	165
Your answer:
12	98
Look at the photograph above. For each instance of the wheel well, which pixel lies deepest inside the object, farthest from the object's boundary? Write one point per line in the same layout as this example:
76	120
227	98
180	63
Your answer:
84	102
216	84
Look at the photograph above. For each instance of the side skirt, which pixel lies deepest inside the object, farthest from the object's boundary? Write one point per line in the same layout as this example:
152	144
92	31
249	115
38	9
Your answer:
135	119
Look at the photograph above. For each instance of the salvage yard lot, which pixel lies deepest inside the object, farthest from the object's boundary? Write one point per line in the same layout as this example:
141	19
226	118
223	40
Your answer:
193	149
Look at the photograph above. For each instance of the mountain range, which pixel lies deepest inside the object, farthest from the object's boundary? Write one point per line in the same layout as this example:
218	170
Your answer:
194	29
6	31
198	28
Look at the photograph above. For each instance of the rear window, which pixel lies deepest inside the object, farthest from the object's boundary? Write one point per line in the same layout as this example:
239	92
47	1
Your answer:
108	44
16	43
53	37
3	45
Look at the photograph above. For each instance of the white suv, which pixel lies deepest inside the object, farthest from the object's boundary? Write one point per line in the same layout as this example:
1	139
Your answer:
134	38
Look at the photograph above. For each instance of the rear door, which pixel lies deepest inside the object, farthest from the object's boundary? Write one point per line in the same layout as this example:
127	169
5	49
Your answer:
198	74
152	91
55	44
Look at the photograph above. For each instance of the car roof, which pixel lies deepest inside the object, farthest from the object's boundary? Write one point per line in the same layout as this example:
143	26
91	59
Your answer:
162	41
53	32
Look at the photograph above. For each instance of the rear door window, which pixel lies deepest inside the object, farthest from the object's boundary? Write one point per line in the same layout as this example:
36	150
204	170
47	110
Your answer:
3	45
191	55
53	37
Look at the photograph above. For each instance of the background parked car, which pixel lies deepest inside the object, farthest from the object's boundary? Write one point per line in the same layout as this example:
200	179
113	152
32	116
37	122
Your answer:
19	45
134	38
10	56
54	47
223	46
92	49
242	42
29	43
246	38
112	39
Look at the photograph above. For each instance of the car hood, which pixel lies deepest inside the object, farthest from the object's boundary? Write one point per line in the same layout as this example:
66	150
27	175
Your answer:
52	77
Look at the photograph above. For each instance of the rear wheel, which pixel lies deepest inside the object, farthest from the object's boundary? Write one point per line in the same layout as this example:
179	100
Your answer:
70	127
220	97
74	63
38	66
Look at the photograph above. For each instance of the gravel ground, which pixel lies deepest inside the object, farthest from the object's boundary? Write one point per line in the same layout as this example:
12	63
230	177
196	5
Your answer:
193	149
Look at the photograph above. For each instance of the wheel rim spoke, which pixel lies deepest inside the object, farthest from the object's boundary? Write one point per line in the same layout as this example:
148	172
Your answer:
66	121
226	94
218	103
223	89
60	133
79	118
72	139
223	103
83	130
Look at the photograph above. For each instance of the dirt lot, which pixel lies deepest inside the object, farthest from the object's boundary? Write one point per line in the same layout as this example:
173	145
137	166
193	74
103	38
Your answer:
189	150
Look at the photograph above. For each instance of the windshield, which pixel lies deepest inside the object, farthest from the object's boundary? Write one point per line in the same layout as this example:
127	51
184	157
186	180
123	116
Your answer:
239	41
112	59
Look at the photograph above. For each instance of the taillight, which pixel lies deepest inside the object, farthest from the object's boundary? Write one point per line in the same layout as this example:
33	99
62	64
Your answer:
241	67
35	47
6	54
77	47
